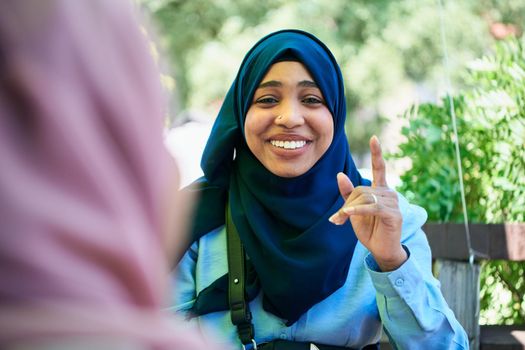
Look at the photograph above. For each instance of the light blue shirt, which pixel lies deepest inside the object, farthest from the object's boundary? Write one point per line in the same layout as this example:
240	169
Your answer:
407	302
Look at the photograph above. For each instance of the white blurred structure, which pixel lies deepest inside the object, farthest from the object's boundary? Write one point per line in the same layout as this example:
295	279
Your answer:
392	179
186	143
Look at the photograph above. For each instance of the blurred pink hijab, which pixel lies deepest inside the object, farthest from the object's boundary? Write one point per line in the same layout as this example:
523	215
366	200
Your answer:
84	178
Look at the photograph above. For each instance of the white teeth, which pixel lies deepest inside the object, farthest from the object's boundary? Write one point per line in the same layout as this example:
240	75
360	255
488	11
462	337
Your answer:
288	144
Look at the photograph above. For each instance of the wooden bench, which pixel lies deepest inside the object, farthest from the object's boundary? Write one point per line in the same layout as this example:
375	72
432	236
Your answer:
491	338
460	279
502	338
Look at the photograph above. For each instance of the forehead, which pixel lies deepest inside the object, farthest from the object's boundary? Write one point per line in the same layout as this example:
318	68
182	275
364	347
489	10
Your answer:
287	71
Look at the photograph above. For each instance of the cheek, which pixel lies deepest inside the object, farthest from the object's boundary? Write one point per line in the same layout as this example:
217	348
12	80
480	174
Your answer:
252	130
324	126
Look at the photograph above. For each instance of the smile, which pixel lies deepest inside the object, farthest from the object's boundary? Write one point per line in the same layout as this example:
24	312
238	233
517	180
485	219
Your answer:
288	144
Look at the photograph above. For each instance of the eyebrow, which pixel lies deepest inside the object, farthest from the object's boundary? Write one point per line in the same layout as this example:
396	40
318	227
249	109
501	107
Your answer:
275	83
270	83
307	83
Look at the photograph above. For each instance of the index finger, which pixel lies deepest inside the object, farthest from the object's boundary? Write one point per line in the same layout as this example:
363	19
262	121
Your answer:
378	163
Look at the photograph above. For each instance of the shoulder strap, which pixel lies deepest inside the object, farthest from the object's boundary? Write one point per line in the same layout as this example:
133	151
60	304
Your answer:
239	308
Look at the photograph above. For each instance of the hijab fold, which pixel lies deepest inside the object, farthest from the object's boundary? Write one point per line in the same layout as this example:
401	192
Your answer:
296	256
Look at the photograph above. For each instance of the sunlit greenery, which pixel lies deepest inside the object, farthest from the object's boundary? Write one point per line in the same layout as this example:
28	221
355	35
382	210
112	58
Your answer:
491	132
382	45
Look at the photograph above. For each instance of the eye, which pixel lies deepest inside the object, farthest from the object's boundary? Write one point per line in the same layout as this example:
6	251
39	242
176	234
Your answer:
266	100
312	100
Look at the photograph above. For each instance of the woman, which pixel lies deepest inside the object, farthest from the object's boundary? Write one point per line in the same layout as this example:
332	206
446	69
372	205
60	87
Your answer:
330	257
86	184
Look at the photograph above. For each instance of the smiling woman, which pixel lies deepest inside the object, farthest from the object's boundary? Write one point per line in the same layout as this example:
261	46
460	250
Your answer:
330	257
288	127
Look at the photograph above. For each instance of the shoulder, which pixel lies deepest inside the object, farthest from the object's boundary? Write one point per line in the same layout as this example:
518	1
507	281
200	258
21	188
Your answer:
203	246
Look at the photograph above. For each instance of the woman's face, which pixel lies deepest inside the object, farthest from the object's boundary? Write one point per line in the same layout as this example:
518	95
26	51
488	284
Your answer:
288	126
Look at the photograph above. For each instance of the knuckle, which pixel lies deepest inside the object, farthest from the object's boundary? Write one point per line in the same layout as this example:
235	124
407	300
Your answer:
391	193
359	190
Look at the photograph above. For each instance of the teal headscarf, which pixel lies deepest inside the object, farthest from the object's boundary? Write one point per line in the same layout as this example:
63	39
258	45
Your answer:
297	257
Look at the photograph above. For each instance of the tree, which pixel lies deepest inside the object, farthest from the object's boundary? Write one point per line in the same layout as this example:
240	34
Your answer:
186	25
380	45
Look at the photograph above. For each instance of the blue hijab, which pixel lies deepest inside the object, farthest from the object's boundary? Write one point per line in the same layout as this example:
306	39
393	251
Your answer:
295	255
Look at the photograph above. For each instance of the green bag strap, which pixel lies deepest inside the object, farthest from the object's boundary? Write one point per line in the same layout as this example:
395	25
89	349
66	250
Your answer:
239	308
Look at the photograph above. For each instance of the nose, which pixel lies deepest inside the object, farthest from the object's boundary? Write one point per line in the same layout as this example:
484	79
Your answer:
290	115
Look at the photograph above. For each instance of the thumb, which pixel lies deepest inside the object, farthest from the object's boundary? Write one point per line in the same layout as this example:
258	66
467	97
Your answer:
345	185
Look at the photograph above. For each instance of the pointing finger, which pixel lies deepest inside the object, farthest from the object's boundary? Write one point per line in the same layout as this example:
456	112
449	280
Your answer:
378	163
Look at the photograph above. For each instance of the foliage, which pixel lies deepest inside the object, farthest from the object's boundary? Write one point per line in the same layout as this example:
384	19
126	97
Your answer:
508	11
187	25
207	40
491	132
432	180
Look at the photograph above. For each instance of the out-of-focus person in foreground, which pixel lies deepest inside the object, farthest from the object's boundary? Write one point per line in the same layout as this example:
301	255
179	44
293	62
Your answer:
85	182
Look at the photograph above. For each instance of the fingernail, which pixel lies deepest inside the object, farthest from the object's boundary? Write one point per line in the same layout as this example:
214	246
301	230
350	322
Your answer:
333	220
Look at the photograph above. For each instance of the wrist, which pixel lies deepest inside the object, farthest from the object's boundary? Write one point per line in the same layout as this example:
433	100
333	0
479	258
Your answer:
392	262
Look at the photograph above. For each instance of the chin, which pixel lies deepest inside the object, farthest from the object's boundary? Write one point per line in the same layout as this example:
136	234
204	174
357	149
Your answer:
289	173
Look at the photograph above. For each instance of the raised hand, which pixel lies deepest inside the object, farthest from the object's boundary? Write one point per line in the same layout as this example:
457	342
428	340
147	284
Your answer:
374	213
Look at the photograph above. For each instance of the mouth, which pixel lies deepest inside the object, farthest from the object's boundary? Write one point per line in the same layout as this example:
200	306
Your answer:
289	144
